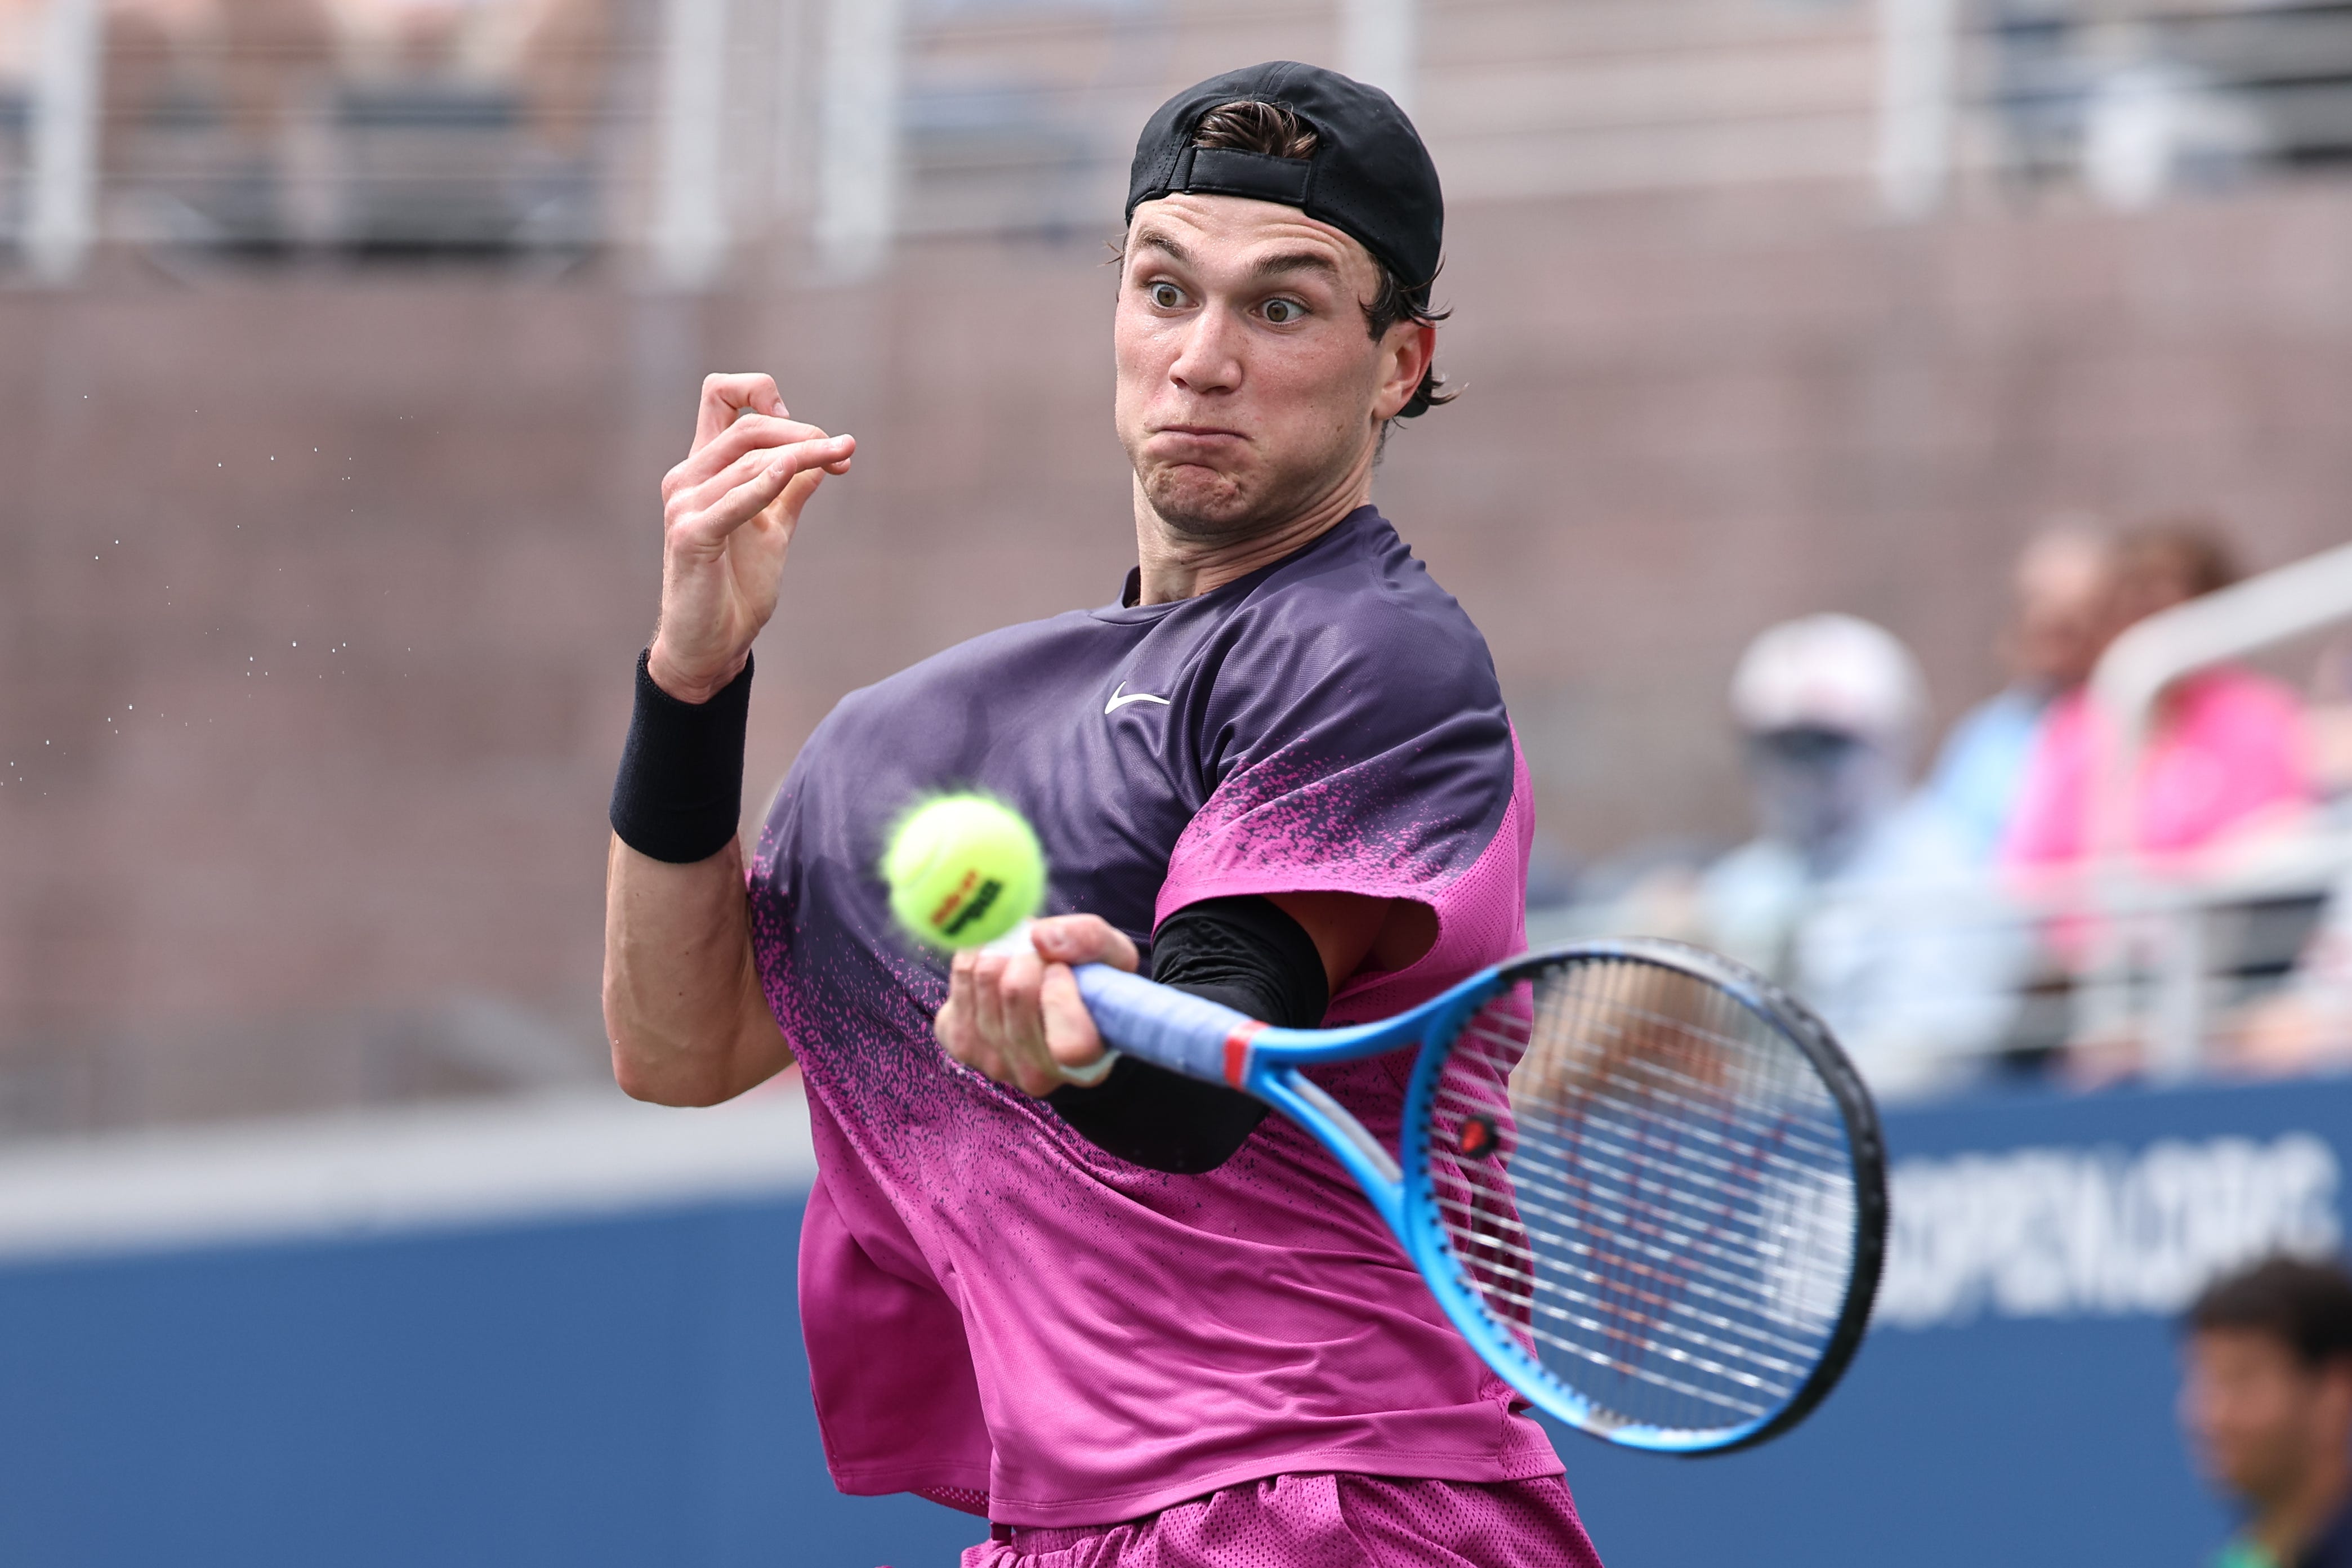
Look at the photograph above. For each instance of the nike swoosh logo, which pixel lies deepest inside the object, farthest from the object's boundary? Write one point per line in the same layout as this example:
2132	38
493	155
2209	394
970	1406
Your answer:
1118	702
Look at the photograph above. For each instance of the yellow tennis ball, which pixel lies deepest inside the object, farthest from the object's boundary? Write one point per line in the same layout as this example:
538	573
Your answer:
964	870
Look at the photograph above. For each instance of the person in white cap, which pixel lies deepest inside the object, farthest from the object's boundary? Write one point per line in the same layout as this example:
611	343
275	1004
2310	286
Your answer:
1857	897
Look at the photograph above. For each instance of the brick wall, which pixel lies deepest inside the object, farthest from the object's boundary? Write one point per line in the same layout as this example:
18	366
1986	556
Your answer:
319	590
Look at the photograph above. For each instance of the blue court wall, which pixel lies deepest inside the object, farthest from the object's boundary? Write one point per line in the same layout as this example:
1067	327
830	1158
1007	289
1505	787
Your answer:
631	1390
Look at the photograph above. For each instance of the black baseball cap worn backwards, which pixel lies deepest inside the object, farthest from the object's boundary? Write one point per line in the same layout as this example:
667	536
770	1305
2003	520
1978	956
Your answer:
1370	177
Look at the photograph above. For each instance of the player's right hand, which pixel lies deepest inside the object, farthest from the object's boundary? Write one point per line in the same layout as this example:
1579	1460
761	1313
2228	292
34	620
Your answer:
1016	1017
728	516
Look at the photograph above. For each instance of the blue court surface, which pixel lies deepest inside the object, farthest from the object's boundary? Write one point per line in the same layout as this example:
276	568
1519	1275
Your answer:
609	1371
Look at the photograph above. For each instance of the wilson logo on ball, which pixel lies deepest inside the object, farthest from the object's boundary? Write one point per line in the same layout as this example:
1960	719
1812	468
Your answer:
969	901
964	870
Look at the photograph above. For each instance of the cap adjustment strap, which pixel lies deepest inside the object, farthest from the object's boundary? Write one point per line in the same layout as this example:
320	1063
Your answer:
1228	172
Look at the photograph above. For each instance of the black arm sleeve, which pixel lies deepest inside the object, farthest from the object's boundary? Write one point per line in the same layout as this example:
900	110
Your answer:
1245	953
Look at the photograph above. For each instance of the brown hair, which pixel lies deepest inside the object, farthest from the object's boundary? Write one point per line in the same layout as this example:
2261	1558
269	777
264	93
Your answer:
2194	546
1246	125
2304	1305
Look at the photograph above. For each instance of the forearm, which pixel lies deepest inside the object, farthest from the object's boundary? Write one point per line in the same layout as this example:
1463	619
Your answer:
682	1003
684	1011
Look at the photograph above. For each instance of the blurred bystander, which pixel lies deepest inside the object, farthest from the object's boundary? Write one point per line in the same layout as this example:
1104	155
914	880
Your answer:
2063	586
2267	1403
2226	752
1854	893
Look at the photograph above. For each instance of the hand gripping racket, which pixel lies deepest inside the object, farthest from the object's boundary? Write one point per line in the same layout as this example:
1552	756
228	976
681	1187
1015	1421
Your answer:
1643	1182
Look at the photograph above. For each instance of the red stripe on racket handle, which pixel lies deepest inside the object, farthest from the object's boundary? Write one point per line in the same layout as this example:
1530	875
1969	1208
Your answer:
1176	1030
1237	1050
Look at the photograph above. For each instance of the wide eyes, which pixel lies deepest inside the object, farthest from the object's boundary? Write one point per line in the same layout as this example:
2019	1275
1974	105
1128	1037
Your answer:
1278	313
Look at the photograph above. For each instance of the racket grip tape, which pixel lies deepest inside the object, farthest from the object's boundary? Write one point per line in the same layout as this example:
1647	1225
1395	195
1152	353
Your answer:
1172	1029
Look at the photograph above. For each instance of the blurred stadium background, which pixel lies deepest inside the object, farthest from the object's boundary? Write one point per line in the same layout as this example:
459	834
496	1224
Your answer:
342	343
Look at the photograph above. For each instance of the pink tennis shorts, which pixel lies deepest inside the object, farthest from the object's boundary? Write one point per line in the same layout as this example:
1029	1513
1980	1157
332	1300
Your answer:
1323	1522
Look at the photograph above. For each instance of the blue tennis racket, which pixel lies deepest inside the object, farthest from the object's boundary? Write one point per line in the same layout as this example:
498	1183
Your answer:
1643	1182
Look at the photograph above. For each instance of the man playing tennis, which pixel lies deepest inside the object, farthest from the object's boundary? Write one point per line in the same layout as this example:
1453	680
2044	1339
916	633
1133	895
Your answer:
1135	1322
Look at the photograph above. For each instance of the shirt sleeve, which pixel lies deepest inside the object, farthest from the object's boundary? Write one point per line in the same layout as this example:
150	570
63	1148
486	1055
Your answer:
1365	756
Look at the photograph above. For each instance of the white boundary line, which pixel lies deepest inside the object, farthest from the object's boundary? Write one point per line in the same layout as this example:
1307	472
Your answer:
348	1176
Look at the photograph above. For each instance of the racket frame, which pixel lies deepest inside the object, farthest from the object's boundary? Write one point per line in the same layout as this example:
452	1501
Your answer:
1424	1234
1270	1062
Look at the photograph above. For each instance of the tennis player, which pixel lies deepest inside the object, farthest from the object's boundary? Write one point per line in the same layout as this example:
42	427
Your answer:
1135	1322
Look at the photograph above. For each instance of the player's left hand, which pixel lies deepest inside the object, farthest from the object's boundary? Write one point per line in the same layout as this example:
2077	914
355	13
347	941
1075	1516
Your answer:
1017	1017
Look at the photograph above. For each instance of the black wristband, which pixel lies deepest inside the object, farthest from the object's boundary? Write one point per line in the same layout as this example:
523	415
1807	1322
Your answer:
680	795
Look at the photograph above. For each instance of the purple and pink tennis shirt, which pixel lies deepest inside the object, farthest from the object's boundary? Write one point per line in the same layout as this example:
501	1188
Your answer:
1001	1315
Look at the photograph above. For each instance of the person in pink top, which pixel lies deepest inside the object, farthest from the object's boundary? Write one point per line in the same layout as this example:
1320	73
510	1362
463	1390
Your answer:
2226	749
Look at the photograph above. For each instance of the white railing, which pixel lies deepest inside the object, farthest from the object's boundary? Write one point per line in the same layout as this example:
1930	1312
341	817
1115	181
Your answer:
2153	963
836	127
2262	611
2224	940
64	144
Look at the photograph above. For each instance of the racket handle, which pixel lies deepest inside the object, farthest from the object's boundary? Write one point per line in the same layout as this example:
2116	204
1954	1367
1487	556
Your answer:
1175	1029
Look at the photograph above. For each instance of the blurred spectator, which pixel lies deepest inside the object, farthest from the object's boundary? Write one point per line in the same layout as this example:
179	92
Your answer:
2225	749
416	122
2306	1027
2267	1403
145	41
566	53
1852	894
2039	85
20	45
2064	587
2328	723
2153	125
277	56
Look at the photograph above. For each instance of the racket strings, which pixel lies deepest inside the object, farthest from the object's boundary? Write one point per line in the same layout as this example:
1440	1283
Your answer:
1572	1213
1647	1182
1573	1338
1665	1321
1700	1176
1663	1094
1549	1318
1519	1288
1669	1054
1678	1292
1721	1156
1611	1194
1736	1080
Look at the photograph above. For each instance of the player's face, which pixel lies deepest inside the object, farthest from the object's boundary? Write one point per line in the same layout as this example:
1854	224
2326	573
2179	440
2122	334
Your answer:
2256	1415
1249	386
